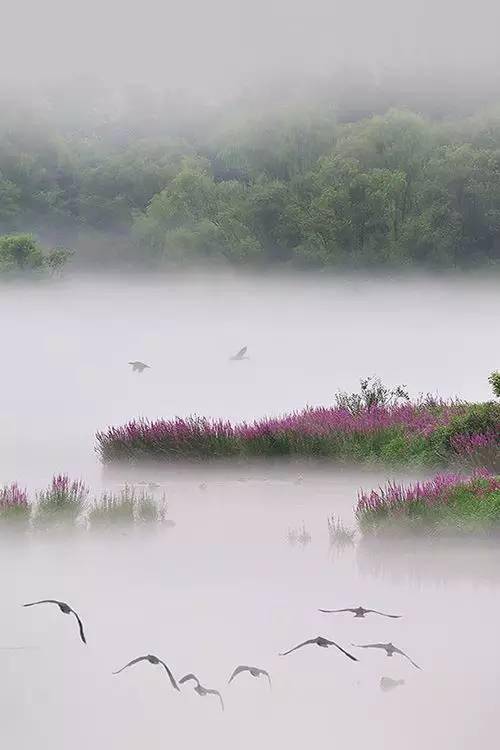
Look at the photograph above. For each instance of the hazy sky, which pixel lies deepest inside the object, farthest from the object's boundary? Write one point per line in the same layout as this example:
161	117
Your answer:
211	46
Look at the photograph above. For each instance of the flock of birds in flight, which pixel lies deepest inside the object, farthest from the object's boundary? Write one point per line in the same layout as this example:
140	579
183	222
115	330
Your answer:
138	366
386	683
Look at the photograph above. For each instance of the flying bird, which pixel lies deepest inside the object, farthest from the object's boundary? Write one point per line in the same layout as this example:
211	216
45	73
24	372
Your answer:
65	609
240	355
387	683
198	688
152	660
139	366
389	648
360	612
323	643
254	671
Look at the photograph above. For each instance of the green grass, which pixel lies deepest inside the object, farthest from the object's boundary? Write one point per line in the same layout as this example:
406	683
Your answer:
112	509
421	434
446	504
63	502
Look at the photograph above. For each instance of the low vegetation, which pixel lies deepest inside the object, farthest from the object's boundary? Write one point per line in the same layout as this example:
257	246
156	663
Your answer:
448	503
68	502
14	505
339	535
377	424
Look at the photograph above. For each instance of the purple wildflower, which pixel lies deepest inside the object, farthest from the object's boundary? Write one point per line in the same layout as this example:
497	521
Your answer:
12	496
198	436
397	497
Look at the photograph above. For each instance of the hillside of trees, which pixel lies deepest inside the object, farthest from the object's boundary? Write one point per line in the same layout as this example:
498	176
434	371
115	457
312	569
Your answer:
298	182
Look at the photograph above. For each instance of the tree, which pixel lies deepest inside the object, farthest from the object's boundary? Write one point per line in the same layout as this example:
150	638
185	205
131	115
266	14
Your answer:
494	381
22	253
9	200
56	259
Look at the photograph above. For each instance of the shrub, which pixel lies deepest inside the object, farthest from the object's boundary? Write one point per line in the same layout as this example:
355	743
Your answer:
63	501
494	381
373	393
21	253
14	505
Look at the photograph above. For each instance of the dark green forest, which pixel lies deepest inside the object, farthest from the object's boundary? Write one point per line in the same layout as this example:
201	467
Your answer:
304	181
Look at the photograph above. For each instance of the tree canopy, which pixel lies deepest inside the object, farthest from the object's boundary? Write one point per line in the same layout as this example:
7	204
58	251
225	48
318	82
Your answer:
293	185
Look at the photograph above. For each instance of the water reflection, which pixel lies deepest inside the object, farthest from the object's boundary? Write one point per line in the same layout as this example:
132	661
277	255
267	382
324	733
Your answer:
430	561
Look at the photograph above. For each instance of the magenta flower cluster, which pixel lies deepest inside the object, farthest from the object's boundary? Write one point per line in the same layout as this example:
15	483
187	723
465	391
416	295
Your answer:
394	497
12	496
469	445
63	488
323	421
177	435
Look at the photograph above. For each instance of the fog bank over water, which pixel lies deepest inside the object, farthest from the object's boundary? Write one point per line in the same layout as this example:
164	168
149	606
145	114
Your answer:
225	585
68	345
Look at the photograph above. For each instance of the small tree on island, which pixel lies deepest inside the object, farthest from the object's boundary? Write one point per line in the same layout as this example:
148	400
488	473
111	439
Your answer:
494	381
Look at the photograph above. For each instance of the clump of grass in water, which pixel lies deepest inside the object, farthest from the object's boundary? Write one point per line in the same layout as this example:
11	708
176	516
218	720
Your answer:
299	536
128	507
62	502
291	537
147	510
340	535
112	509
14	505
304	538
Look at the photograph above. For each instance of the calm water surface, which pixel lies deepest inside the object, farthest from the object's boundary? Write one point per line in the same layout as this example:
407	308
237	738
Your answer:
224	586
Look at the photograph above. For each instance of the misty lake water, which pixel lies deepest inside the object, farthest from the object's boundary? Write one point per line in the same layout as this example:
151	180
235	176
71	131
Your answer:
224	586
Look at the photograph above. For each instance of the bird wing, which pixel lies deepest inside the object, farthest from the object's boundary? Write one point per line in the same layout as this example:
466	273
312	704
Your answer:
347	609
237	671
398	651
134	661
306	643
80	626
171	676
241	352
384	614
188	677
43	601
350	656
215	692
370	645
263	671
